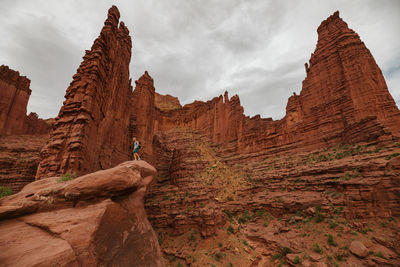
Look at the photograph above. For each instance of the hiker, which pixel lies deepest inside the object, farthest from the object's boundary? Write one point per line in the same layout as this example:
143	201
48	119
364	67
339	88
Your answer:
136	147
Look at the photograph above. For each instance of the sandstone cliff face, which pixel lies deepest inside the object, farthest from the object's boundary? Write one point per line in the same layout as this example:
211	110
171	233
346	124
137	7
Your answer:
166	102
14	97
94	220
91	131
270	201
343	86
35	125
344	98
271	156
19	159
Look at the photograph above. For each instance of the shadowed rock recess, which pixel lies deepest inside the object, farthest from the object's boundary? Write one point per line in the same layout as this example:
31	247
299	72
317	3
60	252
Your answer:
320	187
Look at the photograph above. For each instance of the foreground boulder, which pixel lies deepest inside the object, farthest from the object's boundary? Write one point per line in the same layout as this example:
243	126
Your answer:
358	248
94	220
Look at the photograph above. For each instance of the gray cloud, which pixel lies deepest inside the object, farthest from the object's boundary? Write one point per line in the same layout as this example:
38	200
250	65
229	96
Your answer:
193	49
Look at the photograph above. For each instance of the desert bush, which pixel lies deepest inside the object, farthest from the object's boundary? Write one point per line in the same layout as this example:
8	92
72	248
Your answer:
331	241
286	250
317	248
230	229
5	191
192	235
66	177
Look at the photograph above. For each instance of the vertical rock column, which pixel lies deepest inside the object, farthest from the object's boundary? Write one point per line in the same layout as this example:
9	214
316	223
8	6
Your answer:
91	131
344	85
14	96
143	115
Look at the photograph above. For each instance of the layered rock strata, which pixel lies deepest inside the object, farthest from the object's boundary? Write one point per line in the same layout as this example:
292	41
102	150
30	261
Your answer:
94	220
19	159
91	131
14	97
15	93
202	190
355	181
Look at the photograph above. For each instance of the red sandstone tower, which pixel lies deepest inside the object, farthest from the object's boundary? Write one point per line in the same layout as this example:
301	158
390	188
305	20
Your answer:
91	131
14	96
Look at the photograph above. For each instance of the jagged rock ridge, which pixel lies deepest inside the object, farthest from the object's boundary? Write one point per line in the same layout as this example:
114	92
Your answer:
344	99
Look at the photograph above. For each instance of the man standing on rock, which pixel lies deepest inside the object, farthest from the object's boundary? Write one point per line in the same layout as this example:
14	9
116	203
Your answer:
136	147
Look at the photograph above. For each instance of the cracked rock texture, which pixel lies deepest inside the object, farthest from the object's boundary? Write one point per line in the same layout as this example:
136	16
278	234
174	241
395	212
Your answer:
94	220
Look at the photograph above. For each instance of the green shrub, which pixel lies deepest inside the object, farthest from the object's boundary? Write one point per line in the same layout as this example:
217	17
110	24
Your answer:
245	217
392	156
286	250
192	236
172	258
379	254
332	224
5	191
343	256
317	248
219	256
229	214
259	213
66	177
277	256
331	241
230	229
318	217
296	260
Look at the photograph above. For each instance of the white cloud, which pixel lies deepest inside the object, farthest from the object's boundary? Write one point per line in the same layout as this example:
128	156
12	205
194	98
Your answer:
193	49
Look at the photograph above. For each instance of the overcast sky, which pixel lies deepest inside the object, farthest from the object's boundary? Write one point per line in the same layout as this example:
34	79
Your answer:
193	49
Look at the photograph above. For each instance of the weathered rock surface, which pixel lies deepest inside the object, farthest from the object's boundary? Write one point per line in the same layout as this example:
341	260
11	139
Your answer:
358	249
35	125
166	102
14	97
94	220
15	92
91	131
